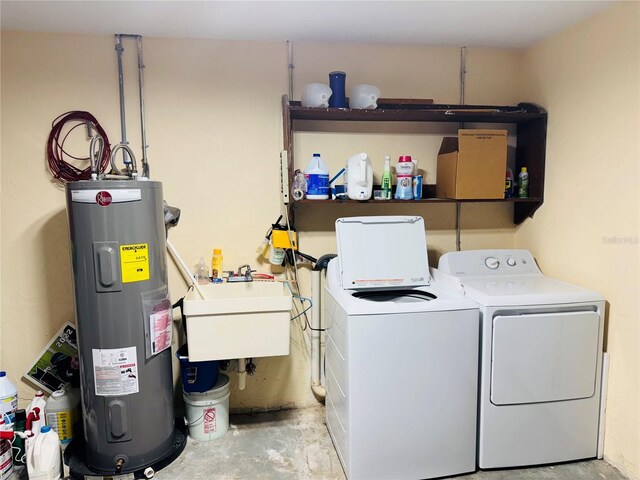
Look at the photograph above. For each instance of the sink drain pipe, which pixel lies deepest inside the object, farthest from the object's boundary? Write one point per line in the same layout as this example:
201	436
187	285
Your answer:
316	326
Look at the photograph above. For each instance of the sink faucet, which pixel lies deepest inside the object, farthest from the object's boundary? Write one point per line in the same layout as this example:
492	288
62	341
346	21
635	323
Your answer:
247	273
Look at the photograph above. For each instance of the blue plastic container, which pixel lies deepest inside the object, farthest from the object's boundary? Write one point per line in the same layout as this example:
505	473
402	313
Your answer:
337	81
197	376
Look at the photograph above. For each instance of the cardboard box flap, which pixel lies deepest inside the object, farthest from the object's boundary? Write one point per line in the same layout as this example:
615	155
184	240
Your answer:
449	145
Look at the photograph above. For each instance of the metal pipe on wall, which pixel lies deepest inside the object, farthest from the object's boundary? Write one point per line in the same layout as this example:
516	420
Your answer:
290	67
463	74
143	130
123	118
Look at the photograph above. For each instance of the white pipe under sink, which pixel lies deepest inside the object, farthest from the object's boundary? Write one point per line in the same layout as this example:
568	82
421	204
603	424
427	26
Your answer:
242	373
316	356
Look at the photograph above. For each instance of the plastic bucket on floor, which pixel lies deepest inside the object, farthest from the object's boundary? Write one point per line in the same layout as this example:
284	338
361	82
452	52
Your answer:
197	376
208	412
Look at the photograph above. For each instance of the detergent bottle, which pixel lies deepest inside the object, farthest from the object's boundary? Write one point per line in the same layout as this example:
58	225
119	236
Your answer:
359	177
44	456
317	175
62	411
404	174
8	398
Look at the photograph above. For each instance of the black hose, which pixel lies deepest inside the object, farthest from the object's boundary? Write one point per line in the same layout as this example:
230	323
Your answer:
323	261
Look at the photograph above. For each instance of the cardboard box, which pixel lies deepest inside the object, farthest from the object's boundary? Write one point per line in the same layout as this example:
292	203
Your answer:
473	165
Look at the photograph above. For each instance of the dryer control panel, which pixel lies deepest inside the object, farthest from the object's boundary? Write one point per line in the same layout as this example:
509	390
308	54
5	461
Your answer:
488	262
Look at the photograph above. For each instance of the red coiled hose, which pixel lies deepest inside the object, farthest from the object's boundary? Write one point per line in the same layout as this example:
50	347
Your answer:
60	168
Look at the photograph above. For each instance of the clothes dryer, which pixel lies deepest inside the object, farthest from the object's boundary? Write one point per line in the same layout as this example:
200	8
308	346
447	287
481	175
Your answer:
401	362
541	359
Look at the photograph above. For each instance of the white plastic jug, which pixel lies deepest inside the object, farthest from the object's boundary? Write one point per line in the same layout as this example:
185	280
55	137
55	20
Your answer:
44	456
8	398
316	95
364	97
317	175
36	411
359	177
62	411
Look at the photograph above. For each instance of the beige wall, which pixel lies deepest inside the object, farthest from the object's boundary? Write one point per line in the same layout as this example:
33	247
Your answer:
587	230
215	132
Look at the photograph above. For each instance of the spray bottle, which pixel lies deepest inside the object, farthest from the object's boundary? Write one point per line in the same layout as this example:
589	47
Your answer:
36	415
386	178
523	183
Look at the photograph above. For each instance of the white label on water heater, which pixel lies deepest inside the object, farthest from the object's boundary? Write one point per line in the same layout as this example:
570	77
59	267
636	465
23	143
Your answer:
115	371
114	196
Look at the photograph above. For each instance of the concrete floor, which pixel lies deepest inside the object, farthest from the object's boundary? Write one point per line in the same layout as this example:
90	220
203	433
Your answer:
295	444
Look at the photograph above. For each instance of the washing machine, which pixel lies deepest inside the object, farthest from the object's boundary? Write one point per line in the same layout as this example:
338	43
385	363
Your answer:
540	359
401	357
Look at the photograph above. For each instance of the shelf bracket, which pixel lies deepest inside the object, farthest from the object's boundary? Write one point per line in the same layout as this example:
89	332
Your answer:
458	207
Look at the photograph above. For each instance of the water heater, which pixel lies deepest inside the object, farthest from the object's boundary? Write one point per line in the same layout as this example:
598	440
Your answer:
123	313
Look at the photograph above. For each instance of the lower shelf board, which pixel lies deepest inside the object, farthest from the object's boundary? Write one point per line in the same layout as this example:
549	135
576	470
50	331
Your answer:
423	200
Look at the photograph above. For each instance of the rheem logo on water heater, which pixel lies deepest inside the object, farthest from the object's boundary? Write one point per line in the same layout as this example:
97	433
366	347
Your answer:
103	198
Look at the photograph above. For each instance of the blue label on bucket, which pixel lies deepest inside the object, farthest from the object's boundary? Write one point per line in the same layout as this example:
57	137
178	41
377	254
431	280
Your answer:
317	184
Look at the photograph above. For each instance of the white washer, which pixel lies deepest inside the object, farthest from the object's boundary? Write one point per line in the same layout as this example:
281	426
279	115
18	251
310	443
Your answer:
401	363
541	359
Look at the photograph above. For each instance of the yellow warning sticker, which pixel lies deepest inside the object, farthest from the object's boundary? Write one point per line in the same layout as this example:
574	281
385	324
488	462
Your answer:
134	262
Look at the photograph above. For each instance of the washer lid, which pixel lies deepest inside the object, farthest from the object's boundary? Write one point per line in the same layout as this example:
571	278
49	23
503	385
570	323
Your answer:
380	252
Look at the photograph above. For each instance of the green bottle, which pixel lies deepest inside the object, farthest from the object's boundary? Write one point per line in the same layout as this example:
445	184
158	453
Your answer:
523	183
386	178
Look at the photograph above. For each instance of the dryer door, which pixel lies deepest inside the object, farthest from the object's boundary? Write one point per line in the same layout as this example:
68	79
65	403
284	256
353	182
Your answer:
543	357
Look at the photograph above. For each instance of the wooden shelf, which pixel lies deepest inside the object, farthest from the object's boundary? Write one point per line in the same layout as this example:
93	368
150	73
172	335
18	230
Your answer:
524	112
530	121
348	201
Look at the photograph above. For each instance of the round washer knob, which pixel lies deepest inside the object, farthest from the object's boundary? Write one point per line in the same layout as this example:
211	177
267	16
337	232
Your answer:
511	262
492	263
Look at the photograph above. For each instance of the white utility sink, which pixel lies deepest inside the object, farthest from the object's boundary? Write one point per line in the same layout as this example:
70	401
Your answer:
238	320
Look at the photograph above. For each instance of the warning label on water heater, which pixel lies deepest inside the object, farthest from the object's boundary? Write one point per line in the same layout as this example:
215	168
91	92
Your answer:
115	371
134	262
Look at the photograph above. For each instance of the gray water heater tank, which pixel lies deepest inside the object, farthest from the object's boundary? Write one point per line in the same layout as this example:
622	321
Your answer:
118	252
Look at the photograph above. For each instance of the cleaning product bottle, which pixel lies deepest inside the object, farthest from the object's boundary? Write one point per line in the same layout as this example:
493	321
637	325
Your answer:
386	178
216	264
508	184
19	425
201	272
6	460
62	412
8	398
404	173
44	456
317	175
36	413
523	183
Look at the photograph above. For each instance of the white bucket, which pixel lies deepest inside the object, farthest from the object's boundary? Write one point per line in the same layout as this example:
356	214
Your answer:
208	412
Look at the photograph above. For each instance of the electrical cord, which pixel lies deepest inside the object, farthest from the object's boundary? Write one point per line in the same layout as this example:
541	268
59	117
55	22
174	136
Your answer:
61	169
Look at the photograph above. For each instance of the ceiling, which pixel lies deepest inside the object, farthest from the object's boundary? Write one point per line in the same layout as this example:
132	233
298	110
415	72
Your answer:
507	24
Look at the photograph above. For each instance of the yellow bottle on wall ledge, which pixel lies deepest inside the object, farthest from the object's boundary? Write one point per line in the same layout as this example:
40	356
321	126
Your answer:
216	263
